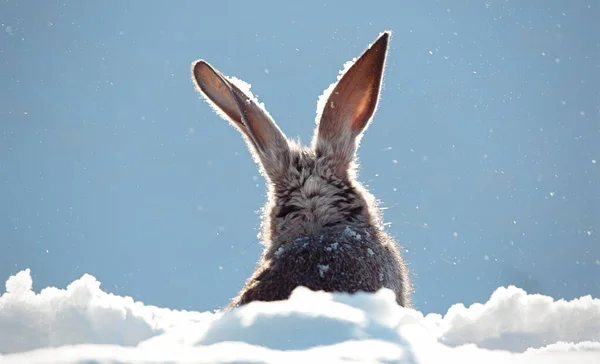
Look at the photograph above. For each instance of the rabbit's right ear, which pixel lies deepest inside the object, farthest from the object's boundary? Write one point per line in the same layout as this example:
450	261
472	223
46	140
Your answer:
232	104
350	106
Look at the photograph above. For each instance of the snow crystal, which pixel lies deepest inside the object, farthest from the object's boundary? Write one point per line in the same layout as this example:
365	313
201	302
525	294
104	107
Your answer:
332	246
370	251
322	269
304	239
279	251
351	233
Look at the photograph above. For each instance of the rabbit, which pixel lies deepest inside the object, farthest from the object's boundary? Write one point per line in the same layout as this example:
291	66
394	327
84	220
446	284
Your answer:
321	229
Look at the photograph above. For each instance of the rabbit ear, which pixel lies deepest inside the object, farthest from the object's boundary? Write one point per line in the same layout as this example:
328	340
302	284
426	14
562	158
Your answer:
350	106
241	109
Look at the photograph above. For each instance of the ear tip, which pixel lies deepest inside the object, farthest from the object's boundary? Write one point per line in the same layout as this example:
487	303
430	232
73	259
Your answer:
197	65
383	39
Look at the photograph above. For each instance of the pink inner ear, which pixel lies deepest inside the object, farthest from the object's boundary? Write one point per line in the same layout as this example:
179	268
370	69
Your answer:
214	87
240	108
351	105
360	102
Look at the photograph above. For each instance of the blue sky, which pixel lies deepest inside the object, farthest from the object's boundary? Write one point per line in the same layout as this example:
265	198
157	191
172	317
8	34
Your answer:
485	150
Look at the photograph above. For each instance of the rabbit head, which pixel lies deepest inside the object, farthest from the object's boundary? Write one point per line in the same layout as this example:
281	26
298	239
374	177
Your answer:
314	198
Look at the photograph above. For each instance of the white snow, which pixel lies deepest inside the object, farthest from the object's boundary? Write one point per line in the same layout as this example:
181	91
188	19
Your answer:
83	323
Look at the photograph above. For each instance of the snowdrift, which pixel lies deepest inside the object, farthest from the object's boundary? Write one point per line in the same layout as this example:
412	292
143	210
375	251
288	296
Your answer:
83	323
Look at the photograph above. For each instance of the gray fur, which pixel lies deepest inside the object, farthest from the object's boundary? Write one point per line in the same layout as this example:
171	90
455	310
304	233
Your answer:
321	228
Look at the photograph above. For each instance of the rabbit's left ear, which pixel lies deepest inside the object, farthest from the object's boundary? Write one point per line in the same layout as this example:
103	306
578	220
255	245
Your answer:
350	107
265	140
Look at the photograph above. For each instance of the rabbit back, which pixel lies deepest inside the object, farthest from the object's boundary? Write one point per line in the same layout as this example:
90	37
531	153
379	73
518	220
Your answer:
343	259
